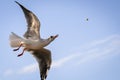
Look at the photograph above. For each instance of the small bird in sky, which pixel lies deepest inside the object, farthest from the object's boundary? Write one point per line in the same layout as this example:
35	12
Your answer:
33	42
87	19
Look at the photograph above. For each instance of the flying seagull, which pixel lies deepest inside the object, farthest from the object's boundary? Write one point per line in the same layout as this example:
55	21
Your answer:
33	42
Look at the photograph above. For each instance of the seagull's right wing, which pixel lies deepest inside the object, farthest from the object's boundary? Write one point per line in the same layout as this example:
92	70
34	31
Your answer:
43	56
33	24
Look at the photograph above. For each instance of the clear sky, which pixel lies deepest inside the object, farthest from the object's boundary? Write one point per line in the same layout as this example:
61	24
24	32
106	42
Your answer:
84	50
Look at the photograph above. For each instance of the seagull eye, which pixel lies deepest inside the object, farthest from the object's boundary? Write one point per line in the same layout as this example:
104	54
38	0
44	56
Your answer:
51	36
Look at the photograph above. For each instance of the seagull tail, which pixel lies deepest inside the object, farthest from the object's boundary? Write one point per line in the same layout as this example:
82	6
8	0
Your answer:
15	40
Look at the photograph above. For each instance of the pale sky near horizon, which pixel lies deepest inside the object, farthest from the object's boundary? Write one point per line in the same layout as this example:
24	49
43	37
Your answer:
84	50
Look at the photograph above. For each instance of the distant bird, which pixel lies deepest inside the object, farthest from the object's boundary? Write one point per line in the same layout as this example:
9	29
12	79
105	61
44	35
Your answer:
33	42
87	19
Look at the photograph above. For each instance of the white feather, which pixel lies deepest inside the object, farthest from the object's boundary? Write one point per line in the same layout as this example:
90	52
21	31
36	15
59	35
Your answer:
15	40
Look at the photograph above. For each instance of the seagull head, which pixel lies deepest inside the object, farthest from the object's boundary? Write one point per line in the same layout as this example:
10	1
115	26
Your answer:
51	38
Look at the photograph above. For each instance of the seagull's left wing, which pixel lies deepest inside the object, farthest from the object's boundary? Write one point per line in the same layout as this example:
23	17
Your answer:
43	56
33	24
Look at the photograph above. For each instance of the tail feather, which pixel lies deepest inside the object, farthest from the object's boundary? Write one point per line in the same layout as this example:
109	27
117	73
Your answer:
15	40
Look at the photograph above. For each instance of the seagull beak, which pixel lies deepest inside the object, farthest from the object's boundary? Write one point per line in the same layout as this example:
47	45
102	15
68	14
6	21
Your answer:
56	36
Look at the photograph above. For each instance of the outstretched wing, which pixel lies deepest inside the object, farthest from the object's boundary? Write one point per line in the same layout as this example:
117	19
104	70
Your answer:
33	24
43	57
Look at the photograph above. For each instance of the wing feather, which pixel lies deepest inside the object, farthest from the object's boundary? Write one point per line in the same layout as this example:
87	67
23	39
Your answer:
43	57
33	24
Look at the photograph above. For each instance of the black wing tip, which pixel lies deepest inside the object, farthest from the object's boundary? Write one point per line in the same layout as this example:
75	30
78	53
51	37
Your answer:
17	2
23	8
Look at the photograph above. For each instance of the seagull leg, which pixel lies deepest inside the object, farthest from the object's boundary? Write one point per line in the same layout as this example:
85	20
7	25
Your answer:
22	52
17	48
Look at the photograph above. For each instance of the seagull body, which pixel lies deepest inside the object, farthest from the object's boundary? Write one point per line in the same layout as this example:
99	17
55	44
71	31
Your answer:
16	41
33	42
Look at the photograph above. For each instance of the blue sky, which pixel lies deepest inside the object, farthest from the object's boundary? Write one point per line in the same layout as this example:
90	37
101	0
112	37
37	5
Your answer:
84	50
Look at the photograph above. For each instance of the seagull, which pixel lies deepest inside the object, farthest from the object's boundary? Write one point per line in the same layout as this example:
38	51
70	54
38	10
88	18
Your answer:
33	42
